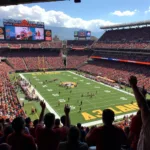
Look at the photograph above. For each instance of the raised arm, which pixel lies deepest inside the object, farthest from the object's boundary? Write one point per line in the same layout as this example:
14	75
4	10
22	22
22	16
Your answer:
67	111
141	101
43	106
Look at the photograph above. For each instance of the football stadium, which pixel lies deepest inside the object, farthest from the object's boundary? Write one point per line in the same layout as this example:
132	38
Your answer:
96	83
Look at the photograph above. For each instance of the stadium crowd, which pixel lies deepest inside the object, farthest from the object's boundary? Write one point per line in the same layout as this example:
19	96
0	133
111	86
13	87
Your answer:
79	44
119	72
127	35
31	45
76	58
20	133
31	60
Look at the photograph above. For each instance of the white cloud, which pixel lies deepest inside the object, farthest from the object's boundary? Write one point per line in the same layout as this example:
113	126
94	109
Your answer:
51	17
147	11
124	13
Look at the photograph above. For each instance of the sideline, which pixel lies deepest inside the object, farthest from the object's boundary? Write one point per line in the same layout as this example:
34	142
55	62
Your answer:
97	122
100	121
103	84
41	97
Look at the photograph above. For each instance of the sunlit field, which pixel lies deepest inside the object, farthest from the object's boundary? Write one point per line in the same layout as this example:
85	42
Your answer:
87	98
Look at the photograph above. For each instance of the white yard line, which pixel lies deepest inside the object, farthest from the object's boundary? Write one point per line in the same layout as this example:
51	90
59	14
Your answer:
41	97
89	123
102	84
100	121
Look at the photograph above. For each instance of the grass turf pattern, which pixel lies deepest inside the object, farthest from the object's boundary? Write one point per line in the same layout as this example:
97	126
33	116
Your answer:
91	108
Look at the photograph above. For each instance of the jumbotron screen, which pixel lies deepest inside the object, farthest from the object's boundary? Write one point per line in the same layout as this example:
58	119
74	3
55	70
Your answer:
81	34
23	30
1	33
48	35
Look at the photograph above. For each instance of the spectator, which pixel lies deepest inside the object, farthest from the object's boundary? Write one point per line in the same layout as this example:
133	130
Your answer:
28	122
63	119
57	124
47	137
18	140
63	128
82	132
127	130
87	130
73	142
143	143
135	128
32	130
7	122
108	136
8	130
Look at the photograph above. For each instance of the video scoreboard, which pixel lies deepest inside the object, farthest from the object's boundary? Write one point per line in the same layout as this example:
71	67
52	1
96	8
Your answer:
23	30
2	34
48	35
82	34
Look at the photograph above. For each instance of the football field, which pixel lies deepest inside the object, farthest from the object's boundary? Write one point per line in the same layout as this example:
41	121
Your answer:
87	98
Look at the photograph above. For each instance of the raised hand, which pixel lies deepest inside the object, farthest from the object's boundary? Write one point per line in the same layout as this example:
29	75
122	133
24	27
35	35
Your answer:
133	81
144	91
42	104
67	109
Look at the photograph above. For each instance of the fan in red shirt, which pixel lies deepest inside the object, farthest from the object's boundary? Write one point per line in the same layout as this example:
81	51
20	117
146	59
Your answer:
136	125
47	137
108	136
32	130
18	140
135	129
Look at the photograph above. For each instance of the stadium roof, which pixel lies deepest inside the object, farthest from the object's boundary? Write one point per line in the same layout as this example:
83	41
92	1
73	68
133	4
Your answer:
16	2
141	23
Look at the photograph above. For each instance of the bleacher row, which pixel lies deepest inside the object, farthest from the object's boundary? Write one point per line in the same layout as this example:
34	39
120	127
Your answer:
18	45
29	60
34	60
119	72
9	104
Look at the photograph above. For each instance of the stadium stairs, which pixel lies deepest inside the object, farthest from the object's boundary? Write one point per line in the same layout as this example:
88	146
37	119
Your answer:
24	63
9	64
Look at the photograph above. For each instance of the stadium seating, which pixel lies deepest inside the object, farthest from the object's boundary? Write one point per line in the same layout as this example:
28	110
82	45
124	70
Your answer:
118	71
120	45
16	60
127	35
125	44
122	55
54	60
9	104
32	45
76	58
34	59
79	44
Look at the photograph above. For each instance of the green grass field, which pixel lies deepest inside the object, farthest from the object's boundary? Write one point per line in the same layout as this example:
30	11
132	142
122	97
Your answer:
104	96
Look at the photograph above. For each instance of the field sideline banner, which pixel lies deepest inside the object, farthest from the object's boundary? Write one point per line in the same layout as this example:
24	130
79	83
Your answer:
121	60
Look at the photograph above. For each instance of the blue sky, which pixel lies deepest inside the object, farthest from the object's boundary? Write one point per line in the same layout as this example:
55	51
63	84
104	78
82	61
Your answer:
89	14
95	9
